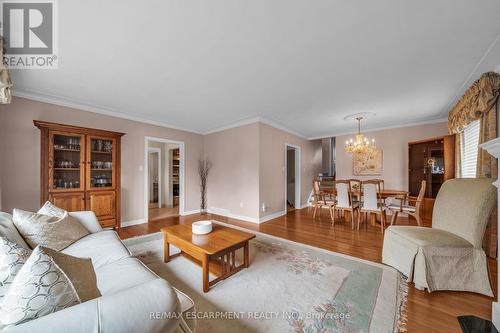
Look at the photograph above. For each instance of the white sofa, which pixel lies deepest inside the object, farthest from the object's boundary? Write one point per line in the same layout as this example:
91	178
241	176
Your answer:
131	293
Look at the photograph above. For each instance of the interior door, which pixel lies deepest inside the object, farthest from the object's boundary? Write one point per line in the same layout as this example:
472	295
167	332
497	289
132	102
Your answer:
102	203
72	201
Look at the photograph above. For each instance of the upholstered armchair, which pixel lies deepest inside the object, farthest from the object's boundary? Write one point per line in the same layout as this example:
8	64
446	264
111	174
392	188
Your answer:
448	256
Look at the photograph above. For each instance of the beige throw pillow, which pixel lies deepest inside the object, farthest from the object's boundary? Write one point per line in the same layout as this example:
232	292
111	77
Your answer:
49	209
12	258
50	231
39	288
80	272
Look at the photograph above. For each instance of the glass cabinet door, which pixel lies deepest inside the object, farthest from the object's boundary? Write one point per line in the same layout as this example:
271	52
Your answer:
66	156
101	163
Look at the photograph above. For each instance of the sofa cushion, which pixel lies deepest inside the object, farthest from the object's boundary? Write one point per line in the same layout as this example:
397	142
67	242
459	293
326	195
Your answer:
423	236
9	230
12	258
110	278
39	288
102	247
50	231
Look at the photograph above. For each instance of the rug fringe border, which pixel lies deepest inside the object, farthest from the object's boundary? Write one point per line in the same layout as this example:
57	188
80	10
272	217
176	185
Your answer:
401	305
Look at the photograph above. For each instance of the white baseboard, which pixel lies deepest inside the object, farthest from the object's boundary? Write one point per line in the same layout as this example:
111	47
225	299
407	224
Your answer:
217	211
227	213
190	212
132	222
271	216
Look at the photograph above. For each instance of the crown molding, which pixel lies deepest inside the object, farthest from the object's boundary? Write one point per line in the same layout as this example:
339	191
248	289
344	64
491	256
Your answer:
56	100
253	120
276	125
239	123
60	101
468	81
410	124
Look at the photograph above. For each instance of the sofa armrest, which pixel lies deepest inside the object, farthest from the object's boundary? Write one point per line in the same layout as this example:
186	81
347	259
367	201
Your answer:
143	308
88	220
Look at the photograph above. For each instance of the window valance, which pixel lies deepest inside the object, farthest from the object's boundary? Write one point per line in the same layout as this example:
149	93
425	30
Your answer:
478	100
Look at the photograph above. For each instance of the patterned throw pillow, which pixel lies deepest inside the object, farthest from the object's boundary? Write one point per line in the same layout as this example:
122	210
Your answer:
80	272
49	231
39	288
8	230
12	259
52	210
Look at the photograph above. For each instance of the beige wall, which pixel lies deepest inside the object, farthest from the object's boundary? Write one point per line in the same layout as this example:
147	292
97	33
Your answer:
248	161
20	154
272	167
233	182
248	170
394	143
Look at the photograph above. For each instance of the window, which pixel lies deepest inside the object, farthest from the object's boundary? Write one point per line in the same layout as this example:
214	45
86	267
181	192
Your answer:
469	148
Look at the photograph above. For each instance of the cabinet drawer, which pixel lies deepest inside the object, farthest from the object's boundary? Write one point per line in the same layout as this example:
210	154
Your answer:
108	223
103	204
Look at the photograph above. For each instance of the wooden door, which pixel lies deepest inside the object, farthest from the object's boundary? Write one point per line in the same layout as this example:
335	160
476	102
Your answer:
103	204
101	163
72	201
66	159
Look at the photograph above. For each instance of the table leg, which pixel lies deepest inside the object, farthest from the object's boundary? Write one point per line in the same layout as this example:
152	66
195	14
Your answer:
166	251
373	218
205	262
246	252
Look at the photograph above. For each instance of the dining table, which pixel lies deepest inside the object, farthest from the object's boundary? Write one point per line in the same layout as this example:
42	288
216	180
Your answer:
384	194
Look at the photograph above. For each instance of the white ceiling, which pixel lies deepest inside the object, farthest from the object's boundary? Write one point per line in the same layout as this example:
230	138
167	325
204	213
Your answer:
202	65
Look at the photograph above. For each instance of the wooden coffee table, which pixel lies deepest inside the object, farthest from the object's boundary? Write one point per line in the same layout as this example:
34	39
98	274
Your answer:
216	251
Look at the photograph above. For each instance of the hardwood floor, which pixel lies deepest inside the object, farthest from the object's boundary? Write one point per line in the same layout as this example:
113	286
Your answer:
427	312
155	213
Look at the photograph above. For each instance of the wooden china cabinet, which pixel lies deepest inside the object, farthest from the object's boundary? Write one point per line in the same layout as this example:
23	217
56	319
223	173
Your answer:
80	170
432	160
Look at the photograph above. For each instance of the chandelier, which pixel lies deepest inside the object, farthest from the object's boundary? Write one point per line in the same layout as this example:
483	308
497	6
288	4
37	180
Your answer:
360	144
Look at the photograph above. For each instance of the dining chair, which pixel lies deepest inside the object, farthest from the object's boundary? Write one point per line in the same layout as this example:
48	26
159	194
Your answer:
405	207
320	200
326	186
381	182
372	201
343	200
355	189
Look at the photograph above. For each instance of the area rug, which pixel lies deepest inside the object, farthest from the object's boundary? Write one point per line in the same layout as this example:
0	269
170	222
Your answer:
289	287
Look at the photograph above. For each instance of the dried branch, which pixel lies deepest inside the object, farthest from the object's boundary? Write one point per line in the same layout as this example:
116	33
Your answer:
204	167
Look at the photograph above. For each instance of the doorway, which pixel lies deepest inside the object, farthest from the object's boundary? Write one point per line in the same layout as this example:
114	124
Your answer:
164	179
292	177
154	177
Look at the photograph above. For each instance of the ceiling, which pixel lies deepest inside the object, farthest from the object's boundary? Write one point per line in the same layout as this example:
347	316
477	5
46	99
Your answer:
302	65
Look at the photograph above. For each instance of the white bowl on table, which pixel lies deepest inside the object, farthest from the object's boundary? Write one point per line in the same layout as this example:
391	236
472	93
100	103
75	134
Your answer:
201	227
